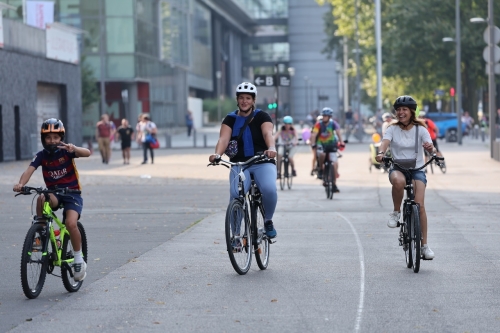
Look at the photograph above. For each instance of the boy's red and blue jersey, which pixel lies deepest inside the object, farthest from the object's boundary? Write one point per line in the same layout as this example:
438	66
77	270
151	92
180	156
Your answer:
58	169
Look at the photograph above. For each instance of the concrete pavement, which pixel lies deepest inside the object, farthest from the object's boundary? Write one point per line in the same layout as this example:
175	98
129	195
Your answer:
336	266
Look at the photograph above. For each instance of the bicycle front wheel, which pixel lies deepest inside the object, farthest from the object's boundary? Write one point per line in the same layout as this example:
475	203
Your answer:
68	255
283	170
289	172
33	262
238	240
405	235
329	180
415	234
261	245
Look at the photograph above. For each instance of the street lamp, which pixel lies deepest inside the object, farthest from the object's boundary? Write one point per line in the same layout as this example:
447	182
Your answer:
491	72
458	69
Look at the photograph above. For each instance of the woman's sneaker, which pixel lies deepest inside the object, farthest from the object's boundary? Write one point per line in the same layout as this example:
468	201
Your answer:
270	231
80	271
426	252
393	219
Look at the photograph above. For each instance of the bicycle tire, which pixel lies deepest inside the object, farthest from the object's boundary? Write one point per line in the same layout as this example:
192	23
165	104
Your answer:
238	247
415	237
282	172
331	180
442	166
432	168
261	248
67	253
289	172
406	237
33	263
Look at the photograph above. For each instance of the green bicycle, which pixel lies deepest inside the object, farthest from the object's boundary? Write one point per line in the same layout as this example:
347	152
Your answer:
46	247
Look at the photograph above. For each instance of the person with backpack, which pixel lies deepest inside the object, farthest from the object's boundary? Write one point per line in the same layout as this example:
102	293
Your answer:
326	134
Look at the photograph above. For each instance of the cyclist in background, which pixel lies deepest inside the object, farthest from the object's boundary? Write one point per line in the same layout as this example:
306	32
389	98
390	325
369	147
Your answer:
387	118
326	134
433	131
287	136
257	138
59	170
400	136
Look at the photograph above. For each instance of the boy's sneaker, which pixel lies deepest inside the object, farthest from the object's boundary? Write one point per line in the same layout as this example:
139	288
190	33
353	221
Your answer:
294	173
270	231
79	271
426	252
335	189
320	174
393	219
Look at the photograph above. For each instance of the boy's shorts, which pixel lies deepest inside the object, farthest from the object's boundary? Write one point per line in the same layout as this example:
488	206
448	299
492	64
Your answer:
70	201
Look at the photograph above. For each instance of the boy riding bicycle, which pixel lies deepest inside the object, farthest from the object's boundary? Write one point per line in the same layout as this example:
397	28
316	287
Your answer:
59	170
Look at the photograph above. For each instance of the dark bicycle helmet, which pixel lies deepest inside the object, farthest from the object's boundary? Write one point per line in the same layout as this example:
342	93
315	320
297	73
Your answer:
327	112
51	125
405	100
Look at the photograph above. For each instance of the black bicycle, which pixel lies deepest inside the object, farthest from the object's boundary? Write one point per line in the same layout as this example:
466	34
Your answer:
440	164
46	247
329	178
245	221
285	168
410	233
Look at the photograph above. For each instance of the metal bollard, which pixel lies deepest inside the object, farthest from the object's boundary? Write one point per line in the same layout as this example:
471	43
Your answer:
204	141
168	141
194	138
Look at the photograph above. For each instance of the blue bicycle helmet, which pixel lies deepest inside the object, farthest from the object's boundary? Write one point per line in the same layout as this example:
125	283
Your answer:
288	120
327	112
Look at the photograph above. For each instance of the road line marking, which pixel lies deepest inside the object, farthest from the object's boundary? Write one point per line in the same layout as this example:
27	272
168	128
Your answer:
362	274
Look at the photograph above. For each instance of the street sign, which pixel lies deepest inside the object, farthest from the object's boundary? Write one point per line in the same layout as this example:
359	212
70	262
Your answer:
439	92
497	69
264	80
284	80
486	54
270	81
496	34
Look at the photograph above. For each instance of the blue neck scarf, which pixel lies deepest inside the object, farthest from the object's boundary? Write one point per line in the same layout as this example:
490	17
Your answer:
239	122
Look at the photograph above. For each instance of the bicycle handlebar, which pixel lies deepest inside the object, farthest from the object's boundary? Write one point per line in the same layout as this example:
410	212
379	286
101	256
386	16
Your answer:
249	162
390	160
27	190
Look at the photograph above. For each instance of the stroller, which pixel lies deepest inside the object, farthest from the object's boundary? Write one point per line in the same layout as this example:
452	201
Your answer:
376	141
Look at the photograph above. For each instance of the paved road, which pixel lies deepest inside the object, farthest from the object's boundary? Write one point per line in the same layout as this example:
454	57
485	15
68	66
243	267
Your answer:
158	260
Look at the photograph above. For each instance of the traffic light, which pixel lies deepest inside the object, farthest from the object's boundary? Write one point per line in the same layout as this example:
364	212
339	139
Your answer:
452	92
271	106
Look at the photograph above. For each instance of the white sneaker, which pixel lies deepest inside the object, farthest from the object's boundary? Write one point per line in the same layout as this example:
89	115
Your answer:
426	252
79	271
393	219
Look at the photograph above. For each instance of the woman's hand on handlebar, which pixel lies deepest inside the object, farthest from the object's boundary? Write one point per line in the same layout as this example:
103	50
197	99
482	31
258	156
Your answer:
428	146
271	152
18	187
214	158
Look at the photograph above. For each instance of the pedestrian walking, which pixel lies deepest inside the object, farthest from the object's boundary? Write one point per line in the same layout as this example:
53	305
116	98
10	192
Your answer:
189	122
125	134
103	133
147	132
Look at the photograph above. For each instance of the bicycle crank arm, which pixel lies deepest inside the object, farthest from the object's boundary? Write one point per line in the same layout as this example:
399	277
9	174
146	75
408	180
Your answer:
68	267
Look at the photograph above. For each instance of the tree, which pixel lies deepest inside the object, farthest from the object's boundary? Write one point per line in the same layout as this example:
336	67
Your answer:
415	60
90	94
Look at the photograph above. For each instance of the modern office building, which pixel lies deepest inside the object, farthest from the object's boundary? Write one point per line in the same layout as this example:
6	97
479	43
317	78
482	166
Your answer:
152	56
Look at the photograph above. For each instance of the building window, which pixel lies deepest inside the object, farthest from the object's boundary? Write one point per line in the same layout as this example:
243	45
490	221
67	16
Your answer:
119	8
120	35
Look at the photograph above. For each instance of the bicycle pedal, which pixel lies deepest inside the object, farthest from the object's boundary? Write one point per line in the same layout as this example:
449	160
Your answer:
272	241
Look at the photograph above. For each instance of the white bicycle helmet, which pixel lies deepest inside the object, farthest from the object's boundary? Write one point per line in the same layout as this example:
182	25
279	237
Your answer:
246	88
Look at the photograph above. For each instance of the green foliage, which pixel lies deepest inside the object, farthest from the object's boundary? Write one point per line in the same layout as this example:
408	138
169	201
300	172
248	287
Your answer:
90	94
415	59
211	105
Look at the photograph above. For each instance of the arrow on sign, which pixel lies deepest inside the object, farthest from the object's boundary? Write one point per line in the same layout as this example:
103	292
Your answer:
258	80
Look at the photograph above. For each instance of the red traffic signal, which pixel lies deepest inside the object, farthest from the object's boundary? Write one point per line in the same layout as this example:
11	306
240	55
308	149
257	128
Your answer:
452	92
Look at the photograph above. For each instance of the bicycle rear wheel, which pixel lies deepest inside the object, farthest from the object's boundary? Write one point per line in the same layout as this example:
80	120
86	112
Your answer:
68	253
415	234
33	262
261	247
442	166
238	240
